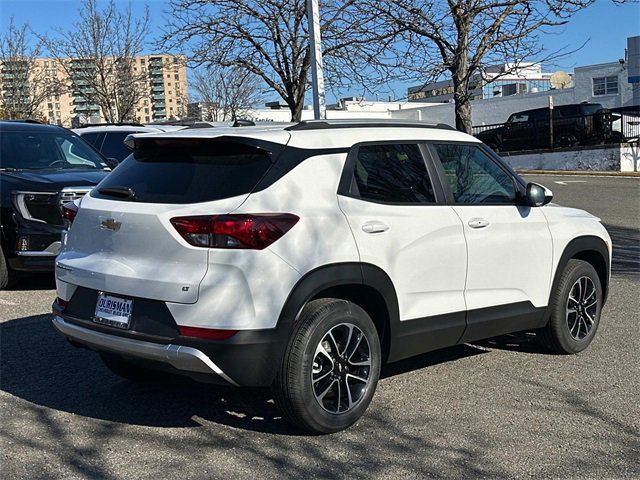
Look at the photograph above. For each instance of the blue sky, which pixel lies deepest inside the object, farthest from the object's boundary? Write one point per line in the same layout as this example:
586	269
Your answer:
604	25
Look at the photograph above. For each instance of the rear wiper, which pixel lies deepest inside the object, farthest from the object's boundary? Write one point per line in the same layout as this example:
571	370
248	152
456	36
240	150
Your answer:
121	192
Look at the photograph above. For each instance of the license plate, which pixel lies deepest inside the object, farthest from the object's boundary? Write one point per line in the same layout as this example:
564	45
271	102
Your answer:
113	311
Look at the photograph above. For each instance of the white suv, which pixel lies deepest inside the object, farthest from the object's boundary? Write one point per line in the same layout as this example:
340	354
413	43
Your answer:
305	257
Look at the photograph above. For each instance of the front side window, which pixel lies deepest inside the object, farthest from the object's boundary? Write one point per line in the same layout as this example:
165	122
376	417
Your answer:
391	174
518	118
474	177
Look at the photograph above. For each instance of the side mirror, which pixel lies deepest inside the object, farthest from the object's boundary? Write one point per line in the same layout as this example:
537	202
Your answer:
537	195
111	162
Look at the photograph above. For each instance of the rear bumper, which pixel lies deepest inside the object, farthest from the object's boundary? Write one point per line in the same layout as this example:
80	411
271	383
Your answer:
180	357
249	358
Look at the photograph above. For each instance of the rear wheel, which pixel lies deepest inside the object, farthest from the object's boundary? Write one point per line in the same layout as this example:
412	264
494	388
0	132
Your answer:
575	309
331	367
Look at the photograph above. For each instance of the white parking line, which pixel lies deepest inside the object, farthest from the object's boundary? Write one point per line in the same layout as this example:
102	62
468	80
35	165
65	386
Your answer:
570	181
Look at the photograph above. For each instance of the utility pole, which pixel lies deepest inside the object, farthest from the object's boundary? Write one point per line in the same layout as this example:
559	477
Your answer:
315	40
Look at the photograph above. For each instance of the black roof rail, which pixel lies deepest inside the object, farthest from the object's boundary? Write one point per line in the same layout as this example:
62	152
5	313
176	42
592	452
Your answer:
243	123
198	125
117	124
330	124
27	120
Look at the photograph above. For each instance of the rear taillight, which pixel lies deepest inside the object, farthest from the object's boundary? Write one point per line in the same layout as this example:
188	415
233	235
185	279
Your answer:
62	303
242	231
69	212
206	333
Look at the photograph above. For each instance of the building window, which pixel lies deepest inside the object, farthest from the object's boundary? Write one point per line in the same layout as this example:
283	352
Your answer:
605	85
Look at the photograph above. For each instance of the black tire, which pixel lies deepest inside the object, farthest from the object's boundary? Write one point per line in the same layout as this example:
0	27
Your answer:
130	371
5	278
616	137
294	386
562	333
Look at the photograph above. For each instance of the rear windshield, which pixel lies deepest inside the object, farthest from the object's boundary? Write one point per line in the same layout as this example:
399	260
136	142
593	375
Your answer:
186	171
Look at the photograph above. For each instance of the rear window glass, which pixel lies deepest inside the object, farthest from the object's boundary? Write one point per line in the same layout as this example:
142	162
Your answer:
187	171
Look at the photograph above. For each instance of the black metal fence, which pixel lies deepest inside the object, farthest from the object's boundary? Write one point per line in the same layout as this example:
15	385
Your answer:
522	133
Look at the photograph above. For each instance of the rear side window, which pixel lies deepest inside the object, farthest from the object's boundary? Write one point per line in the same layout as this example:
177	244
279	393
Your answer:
474	177
182	171
93	138
113	146
391	174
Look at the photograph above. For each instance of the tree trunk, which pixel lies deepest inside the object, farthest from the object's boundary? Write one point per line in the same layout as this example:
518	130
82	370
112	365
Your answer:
463	113
296	105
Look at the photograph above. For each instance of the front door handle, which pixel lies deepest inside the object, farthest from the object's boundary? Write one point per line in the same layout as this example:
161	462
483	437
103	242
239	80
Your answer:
478	222
374	227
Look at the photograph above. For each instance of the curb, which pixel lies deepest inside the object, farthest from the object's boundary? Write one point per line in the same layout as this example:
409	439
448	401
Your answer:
588	173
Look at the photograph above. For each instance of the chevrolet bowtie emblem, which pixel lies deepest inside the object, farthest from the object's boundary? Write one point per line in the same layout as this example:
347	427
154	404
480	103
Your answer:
110	224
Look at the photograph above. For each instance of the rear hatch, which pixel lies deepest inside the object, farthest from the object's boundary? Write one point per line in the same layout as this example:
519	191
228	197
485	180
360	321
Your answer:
122	240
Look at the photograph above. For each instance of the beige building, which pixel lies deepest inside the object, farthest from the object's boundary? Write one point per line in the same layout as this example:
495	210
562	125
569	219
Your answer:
163	77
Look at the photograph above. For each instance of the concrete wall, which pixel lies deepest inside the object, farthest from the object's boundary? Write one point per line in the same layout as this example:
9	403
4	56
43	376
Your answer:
620	158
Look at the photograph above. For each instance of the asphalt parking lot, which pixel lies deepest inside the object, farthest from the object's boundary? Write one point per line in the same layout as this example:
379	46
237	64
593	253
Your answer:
501	408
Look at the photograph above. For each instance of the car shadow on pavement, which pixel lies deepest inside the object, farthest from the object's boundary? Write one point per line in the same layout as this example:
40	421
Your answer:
526	342
626	251
41	367
33	281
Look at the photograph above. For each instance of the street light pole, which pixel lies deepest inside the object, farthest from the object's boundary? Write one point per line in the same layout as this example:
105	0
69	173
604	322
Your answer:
315	40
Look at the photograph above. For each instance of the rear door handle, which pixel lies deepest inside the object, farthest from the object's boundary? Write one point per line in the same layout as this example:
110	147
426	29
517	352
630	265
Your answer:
478	222
374	227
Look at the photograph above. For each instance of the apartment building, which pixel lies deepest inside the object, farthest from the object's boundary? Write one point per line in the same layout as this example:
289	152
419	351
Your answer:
162	77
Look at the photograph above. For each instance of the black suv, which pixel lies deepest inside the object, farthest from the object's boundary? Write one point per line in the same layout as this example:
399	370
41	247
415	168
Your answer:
575	124
41	168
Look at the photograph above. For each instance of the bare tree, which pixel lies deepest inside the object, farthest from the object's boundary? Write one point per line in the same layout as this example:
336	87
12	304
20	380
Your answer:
463	37
226	93
270	40
98	55
25	83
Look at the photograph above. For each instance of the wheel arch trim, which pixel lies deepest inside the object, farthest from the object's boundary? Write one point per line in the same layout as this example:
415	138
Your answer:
581	245
336	275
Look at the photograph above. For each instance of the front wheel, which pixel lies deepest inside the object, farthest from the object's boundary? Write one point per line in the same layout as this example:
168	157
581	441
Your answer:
5	277
575	309
331	367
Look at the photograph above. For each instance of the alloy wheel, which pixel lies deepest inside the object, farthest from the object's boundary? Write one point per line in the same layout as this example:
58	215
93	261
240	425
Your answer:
341	368
582	306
